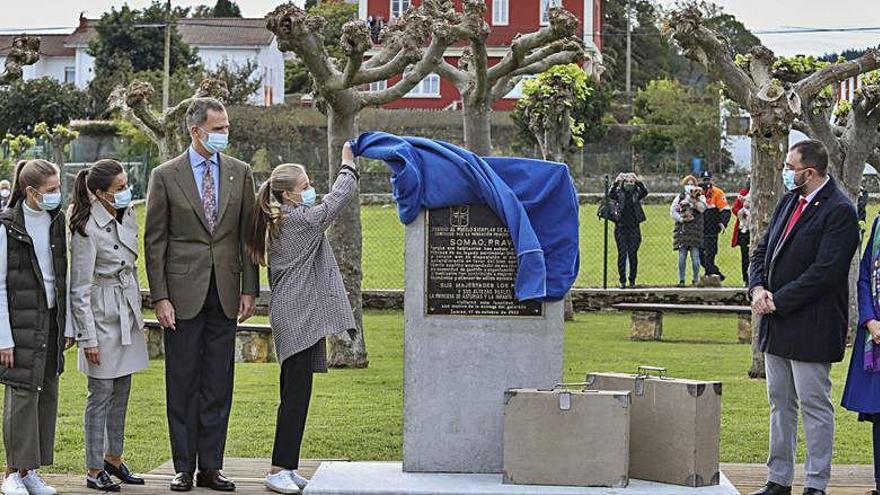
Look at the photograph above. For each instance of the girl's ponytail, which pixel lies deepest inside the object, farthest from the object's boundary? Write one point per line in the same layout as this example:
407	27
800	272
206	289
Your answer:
255	244
17	188
80	207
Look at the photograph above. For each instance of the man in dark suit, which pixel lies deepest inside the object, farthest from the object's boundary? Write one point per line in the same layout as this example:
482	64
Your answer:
798	285
198	208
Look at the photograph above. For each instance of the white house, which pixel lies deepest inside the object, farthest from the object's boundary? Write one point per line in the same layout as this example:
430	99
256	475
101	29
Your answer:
216	39
56	60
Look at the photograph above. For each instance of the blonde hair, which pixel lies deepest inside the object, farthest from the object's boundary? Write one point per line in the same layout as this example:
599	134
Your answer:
267	215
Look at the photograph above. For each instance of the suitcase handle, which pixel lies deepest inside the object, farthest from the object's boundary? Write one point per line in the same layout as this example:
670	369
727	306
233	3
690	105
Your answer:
647	370
570	385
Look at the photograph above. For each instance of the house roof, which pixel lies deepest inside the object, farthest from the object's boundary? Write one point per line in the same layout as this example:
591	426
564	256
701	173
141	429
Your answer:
51	45
201	31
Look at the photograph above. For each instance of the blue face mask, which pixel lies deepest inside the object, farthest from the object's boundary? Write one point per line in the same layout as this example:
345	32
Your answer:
122	199
50	201
217	141
309	196
788	179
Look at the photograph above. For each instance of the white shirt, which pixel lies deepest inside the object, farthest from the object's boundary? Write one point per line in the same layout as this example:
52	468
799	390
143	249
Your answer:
809	198
37	225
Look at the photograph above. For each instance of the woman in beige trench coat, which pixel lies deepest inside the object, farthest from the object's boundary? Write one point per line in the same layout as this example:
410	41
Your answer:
105	308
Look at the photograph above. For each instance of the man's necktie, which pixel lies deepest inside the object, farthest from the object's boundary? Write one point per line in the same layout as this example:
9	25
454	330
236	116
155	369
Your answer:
795	215
209	197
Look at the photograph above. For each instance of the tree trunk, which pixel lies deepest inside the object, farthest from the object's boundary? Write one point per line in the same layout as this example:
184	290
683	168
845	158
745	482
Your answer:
849	176
346	350
477	126
768	155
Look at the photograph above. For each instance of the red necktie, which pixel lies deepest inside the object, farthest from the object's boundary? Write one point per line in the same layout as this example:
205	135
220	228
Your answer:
795	215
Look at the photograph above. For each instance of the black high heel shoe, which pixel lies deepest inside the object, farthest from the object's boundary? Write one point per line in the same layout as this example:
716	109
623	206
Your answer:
123	473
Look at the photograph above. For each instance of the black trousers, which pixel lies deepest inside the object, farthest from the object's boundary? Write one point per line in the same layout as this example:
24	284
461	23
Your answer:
708	253
743	241
296	393
199	373
628	239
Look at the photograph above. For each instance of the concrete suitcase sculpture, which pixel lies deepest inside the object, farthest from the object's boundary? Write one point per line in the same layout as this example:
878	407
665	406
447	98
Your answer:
675	426
566	437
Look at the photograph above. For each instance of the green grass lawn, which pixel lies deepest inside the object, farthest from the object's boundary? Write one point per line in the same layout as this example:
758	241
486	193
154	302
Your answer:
357	414
658	263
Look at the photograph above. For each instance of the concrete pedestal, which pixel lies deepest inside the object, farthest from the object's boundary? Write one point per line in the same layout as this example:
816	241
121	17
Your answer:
456	370
388	478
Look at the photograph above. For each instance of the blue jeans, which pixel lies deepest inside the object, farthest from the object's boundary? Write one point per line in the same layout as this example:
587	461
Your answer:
695	263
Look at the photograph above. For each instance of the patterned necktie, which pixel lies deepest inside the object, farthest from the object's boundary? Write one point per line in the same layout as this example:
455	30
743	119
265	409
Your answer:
209	197
795	215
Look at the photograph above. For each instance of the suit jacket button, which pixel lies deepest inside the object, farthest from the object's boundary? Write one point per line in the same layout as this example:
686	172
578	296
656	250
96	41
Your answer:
116	246
122	262
79	335
108	229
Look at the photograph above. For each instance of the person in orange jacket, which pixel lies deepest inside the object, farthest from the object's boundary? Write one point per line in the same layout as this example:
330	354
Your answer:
742	211
716	218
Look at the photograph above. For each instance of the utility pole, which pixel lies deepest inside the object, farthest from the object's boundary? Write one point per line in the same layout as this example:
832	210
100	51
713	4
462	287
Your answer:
628	51
166	72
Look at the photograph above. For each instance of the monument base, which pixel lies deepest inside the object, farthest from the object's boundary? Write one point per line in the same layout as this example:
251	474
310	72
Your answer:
388	478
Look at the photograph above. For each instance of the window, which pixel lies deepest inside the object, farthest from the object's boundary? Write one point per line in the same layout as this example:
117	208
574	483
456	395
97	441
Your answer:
737	126
70	75
500	12
378	86
429	87
545	10
398	7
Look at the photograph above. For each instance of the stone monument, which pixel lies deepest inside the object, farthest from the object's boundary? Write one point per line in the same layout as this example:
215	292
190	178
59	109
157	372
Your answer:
467	339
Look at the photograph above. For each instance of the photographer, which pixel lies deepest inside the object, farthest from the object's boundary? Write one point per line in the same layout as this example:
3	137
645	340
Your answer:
687	211
628	191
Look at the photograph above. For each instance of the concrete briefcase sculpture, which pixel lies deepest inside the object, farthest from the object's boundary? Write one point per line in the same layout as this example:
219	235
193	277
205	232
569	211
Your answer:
565	437
675	425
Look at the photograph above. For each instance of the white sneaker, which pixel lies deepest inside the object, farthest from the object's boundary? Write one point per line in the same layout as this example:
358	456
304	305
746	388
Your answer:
12	485
282	482
299	480
36	486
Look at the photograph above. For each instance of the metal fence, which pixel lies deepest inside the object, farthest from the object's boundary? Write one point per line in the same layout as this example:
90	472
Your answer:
383	255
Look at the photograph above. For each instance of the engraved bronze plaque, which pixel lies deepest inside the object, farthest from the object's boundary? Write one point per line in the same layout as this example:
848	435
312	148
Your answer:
471	265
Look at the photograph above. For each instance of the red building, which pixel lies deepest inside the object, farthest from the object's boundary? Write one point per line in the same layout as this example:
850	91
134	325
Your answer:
506	19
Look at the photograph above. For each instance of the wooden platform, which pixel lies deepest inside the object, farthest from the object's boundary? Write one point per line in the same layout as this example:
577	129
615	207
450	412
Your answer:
248	475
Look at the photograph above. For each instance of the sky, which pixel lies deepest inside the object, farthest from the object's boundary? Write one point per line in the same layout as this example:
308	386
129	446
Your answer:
758	15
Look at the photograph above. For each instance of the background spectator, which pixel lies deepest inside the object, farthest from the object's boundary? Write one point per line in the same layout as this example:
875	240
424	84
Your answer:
687	210
742	210
717	217
628	191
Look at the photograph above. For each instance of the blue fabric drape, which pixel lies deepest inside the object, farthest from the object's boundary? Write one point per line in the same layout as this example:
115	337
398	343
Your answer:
535	199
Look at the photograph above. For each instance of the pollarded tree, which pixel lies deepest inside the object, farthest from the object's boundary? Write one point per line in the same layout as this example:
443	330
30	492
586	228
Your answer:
25	50
481	85
412	46
164	129
774	104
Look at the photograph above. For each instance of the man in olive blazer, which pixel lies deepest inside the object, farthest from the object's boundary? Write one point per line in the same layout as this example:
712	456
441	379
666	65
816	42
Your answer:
198	208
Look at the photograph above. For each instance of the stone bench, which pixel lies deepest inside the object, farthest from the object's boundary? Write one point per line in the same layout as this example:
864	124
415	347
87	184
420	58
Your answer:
253	342
647	319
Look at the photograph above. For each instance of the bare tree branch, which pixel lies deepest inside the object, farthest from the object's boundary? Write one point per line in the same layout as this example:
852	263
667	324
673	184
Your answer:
505	85
837	72
355	41
25	51
299	32
428	62
712	51
456	76
563	24
561	58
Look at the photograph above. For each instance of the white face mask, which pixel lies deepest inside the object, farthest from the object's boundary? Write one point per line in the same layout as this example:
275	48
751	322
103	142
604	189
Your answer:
4	193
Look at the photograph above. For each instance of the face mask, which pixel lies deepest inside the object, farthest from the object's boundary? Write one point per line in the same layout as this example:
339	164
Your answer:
217	141
50	201
628	187
309	196
122	199
4	193
789	179
688	188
